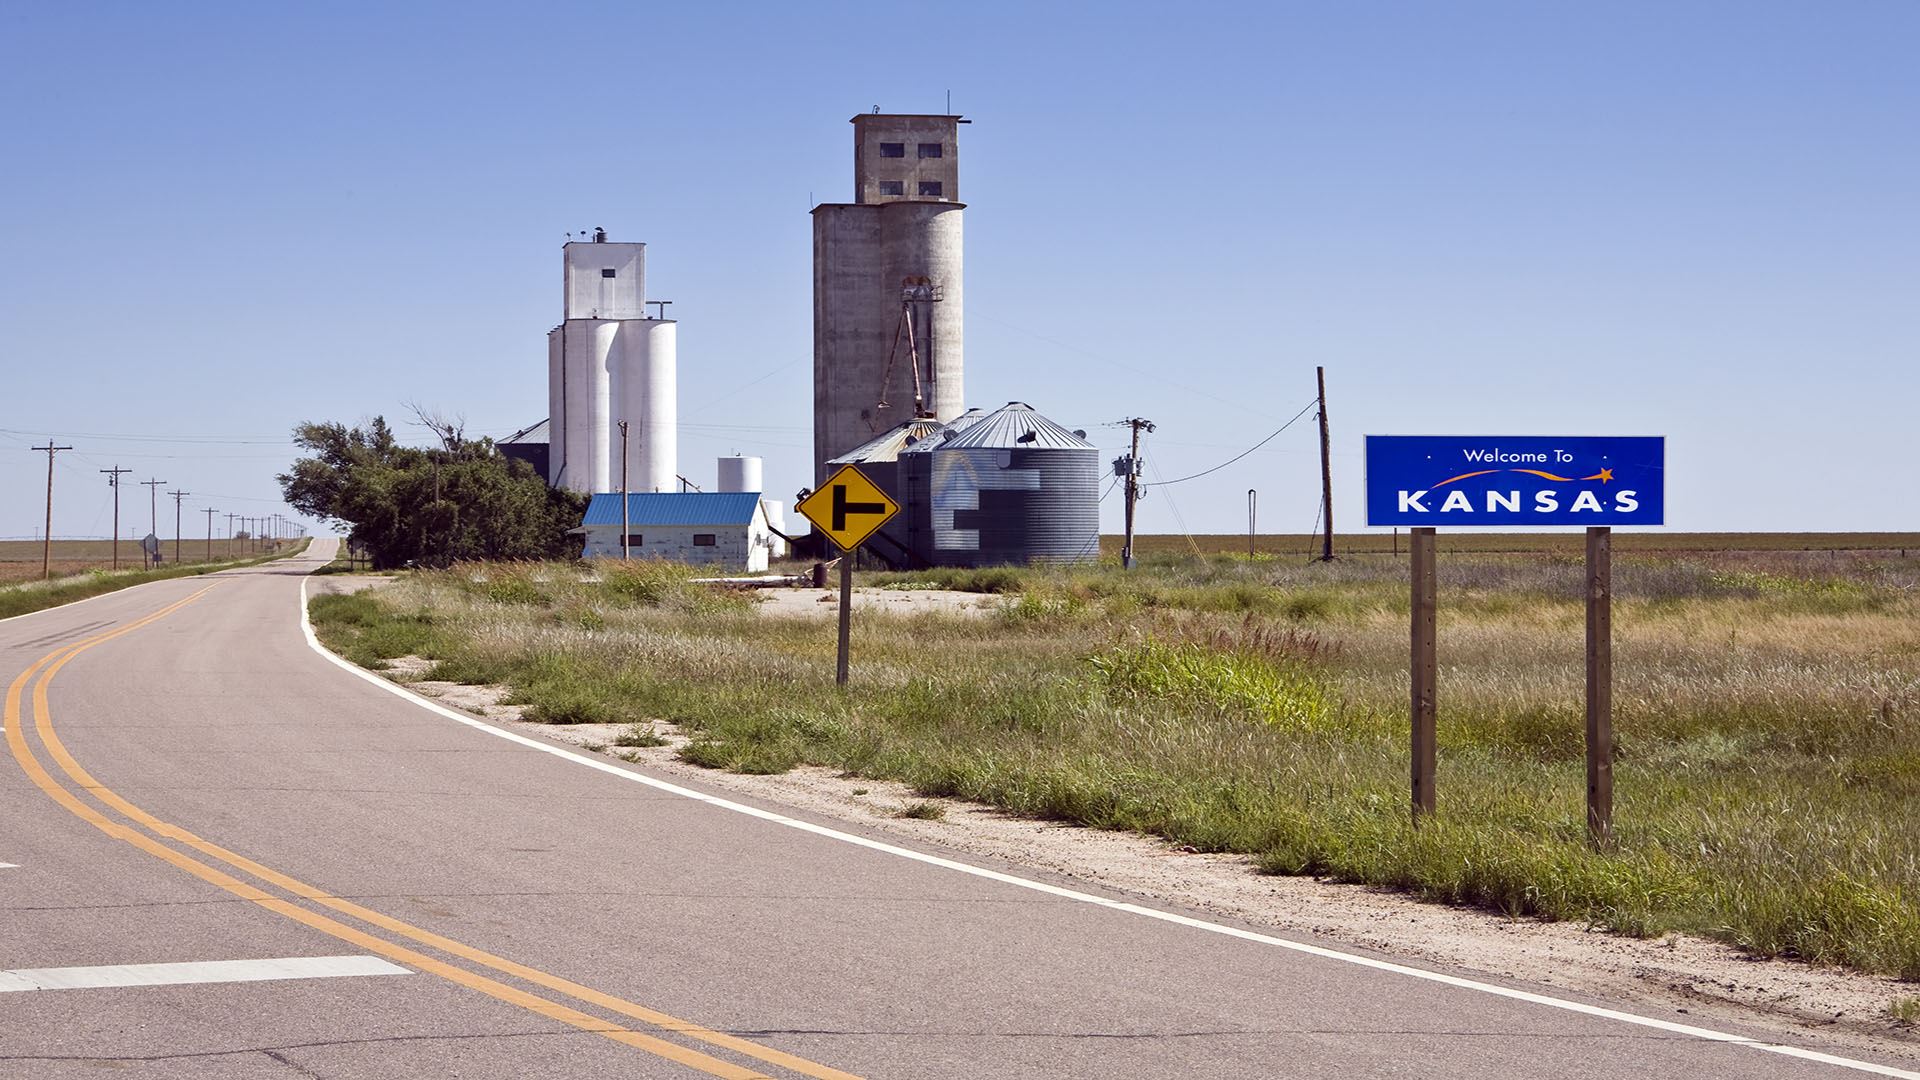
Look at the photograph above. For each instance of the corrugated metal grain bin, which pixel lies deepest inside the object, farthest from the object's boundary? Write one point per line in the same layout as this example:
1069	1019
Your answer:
1012	487
877	460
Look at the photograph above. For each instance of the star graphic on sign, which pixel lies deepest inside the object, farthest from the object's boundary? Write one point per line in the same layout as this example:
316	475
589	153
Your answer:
1604	475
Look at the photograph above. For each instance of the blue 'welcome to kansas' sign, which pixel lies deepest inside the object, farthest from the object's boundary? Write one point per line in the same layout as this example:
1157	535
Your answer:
1516	481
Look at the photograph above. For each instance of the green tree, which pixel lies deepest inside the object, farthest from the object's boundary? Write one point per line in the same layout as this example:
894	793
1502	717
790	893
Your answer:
431	506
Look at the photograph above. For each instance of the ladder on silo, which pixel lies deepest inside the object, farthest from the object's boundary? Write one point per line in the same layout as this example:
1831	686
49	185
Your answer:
913	290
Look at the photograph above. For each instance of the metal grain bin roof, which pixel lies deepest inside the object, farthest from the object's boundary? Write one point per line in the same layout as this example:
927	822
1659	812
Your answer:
663	508
1015	426
887	447
537	433
935	439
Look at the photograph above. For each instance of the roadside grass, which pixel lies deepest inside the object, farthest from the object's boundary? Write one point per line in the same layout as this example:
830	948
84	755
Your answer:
922	810
1767	705
34	596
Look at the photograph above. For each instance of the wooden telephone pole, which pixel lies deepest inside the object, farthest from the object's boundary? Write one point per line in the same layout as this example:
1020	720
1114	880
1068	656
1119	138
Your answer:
113	481
209	511
177	496
46	538
1326	469
153	514
1132	469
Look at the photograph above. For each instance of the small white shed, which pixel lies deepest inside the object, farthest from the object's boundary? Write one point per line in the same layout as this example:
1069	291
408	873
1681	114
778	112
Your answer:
729	529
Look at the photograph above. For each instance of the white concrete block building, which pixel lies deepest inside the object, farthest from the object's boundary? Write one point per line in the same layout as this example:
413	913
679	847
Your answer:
732	531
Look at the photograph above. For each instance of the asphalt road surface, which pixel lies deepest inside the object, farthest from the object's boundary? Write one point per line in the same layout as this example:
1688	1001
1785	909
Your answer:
230	856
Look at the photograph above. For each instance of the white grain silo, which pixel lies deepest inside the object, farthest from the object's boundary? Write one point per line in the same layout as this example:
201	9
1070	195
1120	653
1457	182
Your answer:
556	409
739	473
608	362
645	390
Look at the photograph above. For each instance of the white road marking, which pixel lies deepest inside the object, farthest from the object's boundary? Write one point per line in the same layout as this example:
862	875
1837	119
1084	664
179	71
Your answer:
205	971
9	866
1494	989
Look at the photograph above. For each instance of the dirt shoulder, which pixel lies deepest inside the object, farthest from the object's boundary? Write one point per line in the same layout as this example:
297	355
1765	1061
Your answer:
1687	979
822	602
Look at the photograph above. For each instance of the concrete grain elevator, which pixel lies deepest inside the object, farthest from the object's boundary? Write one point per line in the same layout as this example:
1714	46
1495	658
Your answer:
608	362
888	299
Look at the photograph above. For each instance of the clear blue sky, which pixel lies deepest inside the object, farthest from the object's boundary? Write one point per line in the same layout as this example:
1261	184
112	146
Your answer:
1690	219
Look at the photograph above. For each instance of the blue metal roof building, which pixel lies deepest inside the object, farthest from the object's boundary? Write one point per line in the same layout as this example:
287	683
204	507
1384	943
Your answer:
662	508
717	528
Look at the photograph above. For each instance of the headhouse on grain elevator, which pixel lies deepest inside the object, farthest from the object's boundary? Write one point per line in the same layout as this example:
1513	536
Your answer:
888	298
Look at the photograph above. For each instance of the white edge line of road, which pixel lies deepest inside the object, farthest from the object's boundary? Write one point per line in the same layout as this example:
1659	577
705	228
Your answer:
195	972
1708	1034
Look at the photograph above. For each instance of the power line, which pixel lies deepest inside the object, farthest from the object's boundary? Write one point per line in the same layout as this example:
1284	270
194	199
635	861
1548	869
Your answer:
224	439
1296	418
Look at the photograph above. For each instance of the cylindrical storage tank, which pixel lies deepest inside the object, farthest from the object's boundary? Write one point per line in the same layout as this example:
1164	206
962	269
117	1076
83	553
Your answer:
1013	488
913	475
556	410
648	400
585	344
739	473
923	240
593	354
853	320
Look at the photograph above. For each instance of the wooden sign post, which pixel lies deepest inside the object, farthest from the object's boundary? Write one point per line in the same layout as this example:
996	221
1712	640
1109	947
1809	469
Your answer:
1600	685
1425	670
1517	482
846	616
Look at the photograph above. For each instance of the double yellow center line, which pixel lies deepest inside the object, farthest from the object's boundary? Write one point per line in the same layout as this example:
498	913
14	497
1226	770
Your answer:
146	832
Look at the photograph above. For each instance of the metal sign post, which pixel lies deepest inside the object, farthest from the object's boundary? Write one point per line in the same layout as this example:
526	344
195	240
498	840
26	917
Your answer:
848	509
1517	481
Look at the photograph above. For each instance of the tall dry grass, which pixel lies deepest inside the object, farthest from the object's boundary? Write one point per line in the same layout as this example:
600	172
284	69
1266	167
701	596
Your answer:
1768	710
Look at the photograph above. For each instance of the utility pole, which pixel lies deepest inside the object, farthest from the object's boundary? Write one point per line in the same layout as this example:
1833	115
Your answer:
1253	503
209	511
625	525
153	512
229	536
177	496
1326	469
46	539
1132	467
113	481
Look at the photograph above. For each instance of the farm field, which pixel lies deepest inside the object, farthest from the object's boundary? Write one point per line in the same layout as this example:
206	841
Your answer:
1464	540
81	571
20	559
1767	712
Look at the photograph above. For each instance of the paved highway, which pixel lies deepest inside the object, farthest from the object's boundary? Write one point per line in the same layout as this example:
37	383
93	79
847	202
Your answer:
229	856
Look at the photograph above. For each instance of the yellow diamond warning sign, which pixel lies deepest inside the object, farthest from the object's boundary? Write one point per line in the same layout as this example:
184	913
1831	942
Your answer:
849	508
